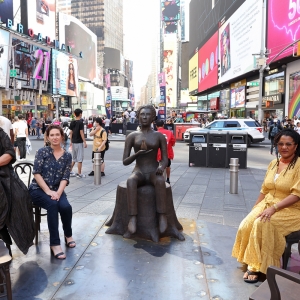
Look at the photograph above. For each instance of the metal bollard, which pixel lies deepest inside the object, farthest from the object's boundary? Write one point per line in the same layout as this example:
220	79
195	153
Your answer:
97	169
234	175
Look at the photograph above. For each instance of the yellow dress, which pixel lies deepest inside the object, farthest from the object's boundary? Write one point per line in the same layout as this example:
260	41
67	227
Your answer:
261	244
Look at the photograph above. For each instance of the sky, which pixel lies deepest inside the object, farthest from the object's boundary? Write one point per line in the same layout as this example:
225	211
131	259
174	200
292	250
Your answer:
141	22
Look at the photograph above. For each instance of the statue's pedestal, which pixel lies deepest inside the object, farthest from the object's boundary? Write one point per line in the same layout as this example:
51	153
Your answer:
147	217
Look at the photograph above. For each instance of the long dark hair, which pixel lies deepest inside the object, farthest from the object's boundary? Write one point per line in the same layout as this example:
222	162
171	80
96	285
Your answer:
296	138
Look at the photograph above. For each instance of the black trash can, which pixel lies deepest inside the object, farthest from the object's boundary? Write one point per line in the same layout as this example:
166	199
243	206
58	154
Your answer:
237	148
198	149
217	149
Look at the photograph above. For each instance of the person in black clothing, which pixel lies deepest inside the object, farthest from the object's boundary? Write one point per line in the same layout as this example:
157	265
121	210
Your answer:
78	142
289	124
275	127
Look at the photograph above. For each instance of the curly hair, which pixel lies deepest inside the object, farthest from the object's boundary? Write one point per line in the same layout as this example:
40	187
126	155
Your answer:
50	127
153	111
296	138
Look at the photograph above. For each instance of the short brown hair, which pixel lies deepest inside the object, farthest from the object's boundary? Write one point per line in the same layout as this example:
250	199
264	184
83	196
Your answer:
50	127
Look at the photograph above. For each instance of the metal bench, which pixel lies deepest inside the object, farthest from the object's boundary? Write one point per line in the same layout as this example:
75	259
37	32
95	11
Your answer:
24	171
280	285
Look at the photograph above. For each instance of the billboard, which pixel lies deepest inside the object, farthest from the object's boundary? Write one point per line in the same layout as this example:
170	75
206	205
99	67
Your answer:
4	40
31	64
75	34
208	64
64	74
6	10
170	13
41	17
283	26
108	97
239	39
162	111
170	69
193	74
237	97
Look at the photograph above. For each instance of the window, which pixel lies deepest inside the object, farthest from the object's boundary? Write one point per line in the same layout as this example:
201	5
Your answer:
217	124
252	124
232	124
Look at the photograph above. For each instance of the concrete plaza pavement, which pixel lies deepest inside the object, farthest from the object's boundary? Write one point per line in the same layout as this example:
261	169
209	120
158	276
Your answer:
109	267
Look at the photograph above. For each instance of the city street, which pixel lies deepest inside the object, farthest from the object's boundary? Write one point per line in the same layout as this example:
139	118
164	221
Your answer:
136	269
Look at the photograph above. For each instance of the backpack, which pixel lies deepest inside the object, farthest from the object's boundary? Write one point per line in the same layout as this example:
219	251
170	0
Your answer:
274	131
107	141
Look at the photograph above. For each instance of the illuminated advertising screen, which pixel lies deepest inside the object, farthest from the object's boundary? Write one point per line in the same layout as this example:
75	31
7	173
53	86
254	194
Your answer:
193	74
283	26
81	39
31	64
4	40
170	12
239	39
64	74
208	64
41	17
170	56
6	10
237	97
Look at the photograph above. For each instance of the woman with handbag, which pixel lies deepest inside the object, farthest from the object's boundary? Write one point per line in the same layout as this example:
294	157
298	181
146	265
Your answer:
100	137
51	172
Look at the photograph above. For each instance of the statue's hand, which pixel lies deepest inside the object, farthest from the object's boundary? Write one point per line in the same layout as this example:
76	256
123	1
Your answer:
142	152
159	170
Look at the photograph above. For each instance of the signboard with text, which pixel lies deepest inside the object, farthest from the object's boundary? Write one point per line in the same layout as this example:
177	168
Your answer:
162	100
108	97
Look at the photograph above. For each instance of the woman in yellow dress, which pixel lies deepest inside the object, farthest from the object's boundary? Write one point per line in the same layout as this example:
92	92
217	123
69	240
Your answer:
260	240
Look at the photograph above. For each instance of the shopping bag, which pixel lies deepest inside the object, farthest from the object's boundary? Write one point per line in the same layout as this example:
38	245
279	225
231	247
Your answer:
28	146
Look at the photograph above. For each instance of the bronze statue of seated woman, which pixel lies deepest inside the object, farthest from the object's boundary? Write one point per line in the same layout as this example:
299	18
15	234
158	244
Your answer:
147	172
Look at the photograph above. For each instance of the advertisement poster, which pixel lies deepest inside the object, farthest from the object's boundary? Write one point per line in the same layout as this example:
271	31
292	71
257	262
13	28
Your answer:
108	97
283	27
64	74
6	10
31	64
239	39
81	39
170	15
193	74
41	17
170	69
162	100
237	97
208	64
4	40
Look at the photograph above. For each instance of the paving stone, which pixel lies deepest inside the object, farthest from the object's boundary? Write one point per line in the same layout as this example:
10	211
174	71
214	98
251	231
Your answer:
212	203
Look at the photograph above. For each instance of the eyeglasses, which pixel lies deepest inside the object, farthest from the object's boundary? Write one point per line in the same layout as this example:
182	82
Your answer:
288	145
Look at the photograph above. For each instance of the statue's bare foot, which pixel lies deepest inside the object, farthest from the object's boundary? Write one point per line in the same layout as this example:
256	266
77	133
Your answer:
132	224
163	223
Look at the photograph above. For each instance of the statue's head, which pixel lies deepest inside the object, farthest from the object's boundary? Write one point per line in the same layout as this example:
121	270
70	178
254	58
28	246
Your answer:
148	107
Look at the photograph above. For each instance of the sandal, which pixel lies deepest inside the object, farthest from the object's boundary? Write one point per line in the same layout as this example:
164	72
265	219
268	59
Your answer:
70	243
57	256
251	280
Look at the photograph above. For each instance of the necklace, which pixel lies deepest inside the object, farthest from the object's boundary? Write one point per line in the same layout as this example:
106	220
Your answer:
285	161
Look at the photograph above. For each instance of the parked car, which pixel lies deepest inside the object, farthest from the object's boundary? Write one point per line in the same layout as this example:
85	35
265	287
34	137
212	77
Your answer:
253	128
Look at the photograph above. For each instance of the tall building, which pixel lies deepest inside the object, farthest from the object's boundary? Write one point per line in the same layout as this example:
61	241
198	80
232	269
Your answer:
105	19
64	6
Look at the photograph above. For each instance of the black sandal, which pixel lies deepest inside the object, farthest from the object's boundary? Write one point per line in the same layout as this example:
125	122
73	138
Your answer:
253	280
57	256
70	243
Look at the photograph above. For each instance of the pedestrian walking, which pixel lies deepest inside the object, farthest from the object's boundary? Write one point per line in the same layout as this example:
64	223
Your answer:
38	129
51	172
274	129
33	126
78	142
124	121
107	125
170	144
132	116
7	127
67	136
100	138
22	134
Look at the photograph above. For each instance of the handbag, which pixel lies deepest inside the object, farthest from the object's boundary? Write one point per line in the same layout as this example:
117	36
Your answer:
28	146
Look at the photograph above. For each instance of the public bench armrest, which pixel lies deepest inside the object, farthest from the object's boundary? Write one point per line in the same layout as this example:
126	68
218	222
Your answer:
272	272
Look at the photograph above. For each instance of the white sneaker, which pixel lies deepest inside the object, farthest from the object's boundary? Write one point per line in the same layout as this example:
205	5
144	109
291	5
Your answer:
80	176
72	174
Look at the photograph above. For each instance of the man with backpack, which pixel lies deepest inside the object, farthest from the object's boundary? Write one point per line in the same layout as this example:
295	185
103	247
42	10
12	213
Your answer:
100	143
273	130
